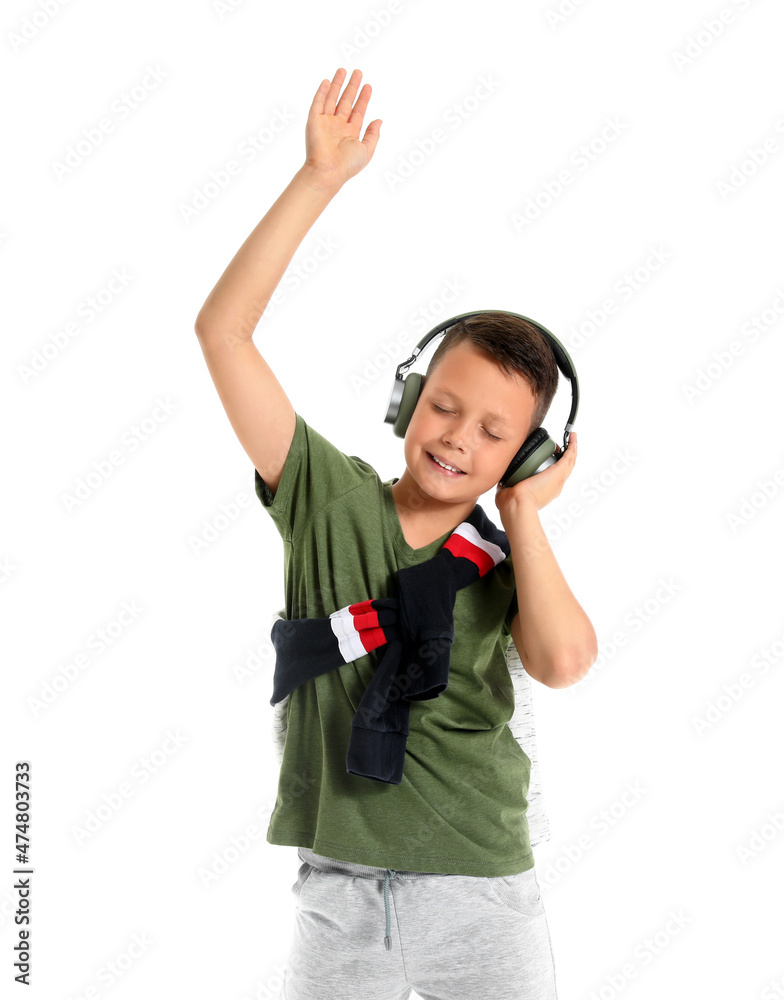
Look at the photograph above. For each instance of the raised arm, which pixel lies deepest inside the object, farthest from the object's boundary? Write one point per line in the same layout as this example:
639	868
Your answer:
258	409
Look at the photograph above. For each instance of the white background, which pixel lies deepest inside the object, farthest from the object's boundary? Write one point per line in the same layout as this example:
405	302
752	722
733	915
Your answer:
701	839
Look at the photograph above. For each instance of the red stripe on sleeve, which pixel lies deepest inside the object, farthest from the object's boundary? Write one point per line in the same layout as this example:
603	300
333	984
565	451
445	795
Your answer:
371	634
372	638
459	546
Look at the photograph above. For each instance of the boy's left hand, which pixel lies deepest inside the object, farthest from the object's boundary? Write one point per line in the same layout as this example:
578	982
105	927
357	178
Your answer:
542	487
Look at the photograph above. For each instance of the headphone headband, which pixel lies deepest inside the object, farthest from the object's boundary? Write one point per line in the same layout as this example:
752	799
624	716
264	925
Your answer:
562	358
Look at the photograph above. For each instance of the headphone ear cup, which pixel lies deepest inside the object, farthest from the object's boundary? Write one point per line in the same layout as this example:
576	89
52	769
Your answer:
536	449
412	386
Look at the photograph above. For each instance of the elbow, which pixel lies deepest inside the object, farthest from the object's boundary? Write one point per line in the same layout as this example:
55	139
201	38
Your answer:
571	669
563	666
204	323
573	663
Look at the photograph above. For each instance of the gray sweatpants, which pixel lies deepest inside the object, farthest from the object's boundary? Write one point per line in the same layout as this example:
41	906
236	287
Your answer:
364	933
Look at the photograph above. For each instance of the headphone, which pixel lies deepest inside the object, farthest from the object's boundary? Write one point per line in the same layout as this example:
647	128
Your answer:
538	449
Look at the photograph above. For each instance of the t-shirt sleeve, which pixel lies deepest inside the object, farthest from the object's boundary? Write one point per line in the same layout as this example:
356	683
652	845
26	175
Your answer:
315	473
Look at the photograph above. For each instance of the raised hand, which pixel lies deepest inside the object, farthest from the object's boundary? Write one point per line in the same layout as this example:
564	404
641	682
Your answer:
334	151
541	488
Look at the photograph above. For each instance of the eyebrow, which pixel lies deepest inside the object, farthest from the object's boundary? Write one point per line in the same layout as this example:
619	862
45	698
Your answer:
495	416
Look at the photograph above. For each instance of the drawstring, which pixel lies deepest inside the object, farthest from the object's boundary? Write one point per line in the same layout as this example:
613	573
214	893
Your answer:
389	872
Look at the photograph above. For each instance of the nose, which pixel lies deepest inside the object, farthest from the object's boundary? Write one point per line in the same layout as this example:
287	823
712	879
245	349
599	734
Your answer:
454	439
454	442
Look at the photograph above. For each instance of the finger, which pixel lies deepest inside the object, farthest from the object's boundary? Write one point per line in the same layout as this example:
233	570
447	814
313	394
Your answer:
317	106
372	133
334	90
358	114
344	105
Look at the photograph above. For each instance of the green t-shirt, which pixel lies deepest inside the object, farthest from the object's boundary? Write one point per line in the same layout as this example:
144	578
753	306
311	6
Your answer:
461	806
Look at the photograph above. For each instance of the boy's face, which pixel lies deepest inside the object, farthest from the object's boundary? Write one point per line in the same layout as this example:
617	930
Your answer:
468	385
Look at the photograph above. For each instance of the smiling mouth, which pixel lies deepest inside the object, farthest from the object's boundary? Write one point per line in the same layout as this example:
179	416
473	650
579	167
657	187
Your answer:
449	471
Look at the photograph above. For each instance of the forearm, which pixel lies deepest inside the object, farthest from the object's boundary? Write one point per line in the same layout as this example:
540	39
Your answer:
236	303
560	641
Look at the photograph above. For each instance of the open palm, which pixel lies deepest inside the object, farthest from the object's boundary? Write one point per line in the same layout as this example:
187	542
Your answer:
332	142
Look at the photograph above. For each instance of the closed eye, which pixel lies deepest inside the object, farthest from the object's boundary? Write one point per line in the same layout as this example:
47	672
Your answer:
487	432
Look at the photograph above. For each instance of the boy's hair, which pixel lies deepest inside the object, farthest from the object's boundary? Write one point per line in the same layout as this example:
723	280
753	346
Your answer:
516	346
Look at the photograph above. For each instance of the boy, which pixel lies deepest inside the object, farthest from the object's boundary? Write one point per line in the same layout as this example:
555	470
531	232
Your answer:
444	855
